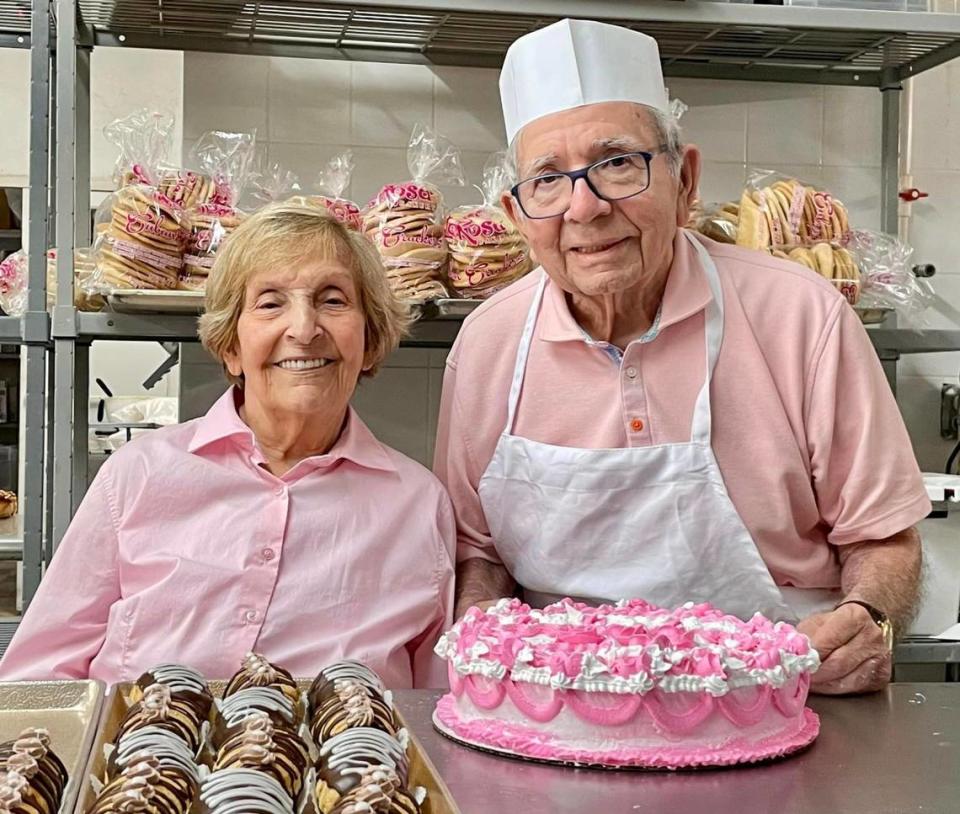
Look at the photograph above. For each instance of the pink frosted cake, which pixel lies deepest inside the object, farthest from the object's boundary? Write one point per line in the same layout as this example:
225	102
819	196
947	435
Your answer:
627	685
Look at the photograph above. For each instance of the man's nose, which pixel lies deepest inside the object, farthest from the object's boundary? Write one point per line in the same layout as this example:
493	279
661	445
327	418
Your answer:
585	205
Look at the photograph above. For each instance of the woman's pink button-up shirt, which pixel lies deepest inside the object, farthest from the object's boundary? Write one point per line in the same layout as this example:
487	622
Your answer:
186	549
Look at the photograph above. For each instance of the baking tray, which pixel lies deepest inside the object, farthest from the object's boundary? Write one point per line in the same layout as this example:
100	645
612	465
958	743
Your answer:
422	771
147	301
68	710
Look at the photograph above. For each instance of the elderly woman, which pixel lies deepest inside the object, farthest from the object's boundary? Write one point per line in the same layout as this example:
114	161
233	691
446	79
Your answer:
276	522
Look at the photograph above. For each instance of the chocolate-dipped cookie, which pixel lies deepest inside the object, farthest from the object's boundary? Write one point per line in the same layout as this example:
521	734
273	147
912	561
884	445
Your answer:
31	774
179	714
177	677
360	747
251	701
264	747
166	746
256	671
324	685
370	798
348	704
243	791
147	787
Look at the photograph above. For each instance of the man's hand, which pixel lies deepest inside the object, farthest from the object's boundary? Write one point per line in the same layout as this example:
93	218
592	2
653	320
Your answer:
853	655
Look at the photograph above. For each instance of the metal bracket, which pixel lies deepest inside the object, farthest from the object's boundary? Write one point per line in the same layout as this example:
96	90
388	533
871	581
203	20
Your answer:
35	328
65	322
950	412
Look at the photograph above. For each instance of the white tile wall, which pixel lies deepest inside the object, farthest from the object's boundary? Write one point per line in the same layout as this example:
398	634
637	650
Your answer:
14	112
304	110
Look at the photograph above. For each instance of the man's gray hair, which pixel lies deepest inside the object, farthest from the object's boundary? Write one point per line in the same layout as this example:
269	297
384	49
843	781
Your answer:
668	132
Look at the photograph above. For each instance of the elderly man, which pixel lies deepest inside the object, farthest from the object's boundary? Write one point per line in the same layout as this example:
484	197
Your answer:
657	415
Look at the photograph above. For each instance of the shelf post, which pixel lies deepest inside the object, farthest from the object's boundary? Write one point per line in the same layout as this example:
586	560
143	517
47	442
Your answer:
890	90
65	392
35	331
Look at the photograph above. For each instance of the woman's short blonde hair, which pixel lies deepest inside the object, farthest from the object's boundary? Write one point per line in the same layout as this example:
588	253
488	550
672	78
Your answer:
284	233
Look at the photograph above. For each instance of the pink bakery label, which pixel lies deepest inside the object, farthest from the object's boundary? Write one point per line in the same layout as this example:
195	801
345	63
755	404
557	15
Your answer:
474	232
822	225
478	272
149	257
389	238
147	223
407	196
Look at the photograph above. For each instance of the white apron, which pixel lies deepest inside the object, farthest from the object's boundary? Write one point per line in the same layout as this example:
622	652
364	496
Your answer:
654	523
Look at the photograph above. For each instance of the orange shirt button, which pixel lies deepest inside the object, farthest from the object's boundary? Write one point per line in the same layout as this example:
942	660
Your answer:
636	425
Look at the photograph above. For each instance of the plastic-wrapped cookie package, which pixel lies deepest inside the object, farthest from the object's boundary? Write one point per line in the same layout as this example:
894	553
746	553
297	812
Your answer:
487	252
796	221
225	159
405	220
331	183
139	229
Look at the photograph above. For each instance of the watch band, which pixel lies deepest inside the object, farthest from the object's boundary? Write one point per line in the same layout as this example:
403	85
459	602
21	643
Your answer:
879	617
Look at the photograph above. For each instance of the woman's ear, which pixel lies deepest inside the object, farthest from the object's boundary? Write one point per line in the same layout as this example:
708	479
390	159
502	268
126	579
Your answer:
231	361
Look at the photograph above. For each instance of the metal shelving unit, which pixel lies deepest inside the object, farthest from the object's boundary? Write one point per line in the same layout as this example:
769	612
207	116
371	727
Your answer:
26	25
697	39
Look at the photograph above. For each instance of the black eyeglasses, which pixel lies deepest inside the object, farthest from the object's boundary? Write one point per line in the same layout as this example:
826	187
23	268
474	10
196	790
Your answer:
612	179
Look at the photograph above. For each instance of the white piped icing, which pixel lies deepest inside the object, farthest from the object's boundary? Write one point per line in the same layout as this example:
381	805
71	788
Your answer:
238	791
245	702
179	678
630	648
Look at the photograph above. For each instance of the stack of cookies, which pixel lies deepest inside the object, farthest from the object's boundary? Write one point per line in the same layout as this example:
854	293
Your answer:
833	263
141	246
207	226
789	213
487	252
404	223
188	189
363	764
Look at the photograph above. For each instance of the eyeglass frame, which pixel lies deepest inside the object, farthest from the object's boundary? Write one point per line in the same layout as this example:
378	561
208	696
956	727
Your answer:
576	175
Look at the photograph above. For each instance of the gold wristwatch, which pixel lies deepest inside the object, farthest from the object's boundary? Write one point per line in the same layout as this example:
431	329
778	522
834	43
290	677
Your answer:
878	616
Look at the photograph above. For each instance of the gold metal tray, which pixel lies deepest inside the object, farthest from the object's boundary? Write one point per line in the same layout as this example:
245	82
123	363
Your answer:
68	710
422	771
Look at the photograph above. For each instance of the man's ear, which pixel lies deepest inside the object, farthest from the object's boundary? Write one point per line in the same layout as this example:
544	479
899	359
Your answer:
689	185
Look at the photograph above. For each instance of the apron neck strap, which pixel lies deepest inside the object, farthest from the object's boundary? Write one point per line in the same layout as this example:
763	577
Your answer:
520	366
701	424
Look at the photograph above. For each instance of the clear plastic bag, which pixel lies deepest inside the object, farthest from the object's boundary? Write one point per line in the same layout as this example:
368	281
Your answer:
267	183
718	221
799	222
139	242
888	278
487	252
145	139
405	221
333	179
13	284
84	267
832	262
226	159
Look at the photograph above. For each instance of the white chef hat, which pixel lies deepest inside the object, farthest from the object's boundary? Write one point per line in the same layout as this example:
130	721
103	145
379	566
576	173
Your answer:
578	62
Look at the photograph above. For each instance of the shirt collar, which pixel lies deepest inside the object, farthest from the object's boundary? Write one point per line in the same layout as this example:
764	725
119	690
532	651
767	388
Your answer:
356	443
687	292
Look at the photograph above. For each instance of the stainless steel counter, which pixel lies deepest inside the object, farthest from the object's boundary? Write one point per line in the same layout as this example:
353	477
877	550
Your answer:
889	753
